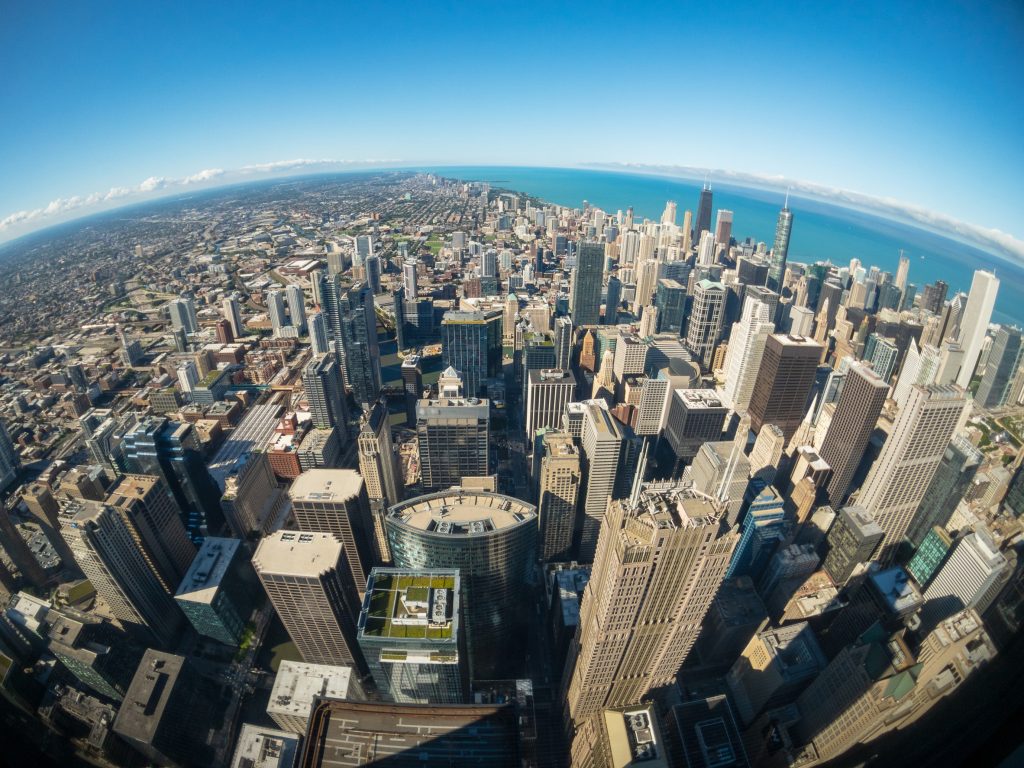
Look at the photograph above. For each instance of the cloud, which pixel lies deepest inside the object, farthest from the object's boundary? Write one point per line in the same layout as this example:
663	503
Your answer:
987	237
204	175
64	205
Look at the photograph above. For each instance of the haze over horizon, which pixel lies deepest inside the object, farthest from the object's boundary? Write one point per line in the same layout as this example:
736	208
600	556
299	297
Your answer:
823	100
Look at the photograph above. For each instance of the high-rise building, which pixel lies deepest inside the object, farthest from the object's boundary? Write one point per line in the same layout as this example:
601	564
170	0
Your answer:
318	334
325	393
334	501
359	339
114	562
934	296
10	462
780	250
883	354
901	474
774	667
974	322
971	577
454	440
167	711
929	555
410	634
951	481
613	298
275	308
587	277
491	539
695	416
704	325
852	540
784	381
547	392
720	469
763	529
231	312
559	487
308	580
854	419
602	443
183	315
363	250
215	593
703	221
153	518
378	465
563	343
296	306
1004	362
723	227
297	687
464	345
746	348
670	299
670	545
878	684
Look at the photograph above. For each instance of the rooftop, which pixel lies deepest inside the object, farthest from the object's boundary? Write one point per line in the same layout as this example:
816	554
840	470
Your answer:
295	553
462	513
207	570
700	398
634	737
260	747
298	683
411	604
326	485
254	430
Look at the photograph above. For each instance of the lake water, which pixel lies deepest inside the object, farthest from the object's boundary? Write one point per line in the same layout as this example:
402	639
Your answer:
820	230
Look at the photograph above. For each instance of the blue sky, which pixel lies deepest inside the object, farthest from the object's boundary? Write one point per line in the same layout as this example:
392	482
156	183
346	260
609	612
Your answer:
919	102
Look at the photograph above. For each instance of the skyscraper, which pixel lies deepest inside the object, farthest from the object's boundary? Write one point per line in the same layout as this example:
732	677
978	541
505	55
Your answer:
901	473
780	249
602	452
491	539
379	467
326	394
334	501
784	380
464	345
559	484
230	310
971	577
974	322
902	273
154	521
853	539
949	484
453	437
746	348
612	301
183	315
703	222
670	545
10	463
704	325
410	632
547	392
307	578
587	277
1001	370
275	308
670	299
318	334
723	227
854	419
296	306
359	339
563	343
215	594
114	562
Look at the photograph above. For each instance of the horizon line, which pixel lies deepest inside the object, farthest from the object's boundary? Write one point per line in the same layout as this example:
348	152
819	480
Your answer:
154	189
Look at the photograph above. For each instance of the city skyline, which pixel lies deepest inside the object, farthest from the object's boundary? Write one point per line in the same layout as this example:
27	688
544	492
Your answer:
155	124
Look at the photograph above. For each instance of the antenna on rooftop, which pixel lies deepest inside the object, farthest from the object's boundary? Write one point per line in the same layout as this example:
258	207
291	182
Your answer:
786	204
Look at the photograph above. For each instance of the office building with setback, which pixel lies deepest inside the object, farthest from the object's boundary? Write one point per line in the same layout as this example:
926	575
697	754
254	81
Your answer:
491	539
334	501
548	390
216	593
298	685
410	635
308	580
603	446
669	544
